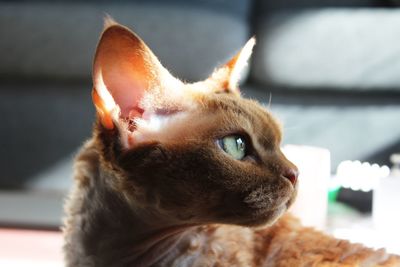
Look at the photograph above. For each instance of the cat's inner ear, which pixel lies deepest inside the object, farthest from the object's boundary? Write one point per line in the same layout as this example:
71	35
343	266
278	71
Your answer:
132	90
228	76
124	70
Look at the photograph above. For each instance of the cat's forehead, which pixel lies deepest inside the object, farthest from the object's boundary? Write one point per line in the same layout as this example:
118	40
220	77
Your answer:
248	115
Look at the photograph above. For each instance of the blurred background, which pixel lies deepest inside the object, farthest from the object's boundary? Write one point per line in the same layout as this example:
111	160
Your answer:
329	70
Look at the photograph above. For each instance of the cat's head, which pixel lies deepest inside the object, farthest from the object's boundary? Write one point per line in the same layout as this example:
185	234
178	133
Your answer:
186	152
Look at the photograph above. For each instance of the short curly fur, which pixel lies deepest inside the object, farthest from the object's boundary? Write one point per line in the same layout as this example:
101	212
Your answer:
153	188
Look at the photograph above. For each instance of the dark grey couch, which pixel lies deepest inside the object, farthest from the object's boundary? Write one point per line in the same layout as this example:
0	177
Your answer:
332	69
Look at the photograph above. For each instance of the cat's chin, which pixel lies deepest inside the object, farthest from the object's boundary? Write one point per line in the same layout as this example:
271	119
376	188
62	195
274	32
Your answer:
261	218
252	217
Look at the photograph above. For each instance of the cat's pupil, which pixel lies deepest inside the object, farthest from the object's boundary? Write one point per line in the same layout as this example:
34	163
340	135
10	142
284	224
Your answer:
240	144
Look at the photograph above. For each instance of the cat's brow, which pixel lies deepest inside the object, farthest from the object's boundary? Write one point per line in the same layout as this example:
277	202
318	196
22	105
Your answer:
265	130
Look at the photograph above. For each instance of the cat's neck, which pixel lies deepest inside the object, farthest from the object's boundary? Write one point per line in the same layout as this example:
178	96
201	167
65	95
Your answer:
110	230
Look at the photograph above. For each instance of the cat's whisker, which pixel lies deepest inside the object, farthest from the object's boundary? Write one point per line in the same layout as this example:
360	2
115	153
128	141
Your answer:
270	100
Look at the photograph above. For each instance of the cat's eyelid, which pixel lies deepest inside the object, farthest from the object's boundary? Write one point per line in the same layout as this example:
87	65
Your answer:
234	131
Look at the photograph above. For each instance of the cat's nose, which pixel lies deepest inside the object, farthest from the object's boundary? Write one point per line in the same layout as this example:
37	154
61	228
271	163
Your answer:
291	174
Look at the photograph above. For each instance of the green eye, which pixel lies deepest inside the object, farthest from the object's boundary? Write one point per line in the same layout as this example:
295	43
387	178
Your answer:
233	145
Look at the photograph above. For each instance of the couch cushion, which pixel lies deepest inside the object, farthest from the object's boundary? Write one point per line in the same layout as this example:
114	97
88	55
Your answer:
329	48
43	123
57	40
266	6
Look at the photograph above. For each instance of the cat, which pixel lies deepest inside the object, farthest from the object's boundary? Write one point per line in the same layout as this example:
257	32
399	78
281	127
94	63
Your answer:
186	174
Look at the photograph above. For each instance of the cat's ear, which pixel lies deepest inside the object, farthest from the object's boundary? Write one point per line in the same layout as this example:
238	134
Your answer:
230	73
124	70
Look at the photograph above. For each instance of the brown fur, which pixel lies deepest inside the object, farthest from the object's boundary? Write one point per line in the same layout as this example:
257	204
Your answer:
171	196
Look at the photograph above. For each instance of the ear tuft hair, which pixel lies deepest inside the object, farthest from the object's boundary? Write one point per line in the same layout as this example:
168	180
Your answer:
109	21
240	62
227	77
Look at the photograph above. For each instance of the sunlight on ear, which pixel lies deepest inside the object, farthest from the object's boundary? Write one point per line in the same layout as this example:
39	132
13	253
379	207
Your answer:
103	92
203	87
153	123
241	62
174	86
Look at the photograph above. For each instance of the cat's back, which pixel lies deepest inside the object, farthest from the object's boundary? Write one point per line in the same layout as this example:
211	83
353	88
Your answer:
284	244
287	244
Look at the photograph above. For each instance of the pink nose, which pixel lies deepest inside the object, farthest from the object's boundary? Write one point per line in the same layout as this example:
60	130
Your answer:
291	175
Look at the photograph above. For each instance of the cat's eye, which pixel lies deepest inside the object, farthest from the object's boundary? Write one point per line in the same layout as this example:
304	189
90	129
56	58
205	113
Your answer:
234	146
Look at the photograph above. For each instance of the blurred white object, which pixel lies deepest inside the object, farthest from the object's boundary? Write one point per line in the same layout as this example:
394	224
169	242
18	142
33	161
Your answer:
386	201
395	171
356	175
312	199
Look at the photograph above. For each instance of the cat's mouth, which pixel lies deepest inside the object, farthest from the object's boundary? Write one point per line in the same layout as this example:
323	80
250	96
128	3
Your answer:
269	197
